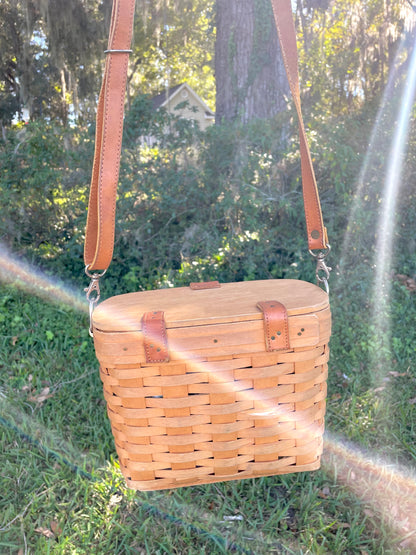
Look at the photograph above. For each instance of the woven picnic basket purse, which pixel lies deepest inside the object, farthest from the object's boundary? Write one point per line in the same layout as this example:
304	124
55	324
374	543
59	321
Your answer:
210	382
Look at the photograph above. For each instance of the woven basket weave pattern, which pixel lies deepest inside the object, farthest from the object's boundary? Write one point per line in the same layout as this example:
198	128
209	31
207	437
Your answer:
220	418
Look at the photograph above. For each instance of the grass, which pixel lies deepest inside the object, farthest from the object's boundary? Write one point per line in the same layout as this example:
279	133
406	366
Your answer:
62	492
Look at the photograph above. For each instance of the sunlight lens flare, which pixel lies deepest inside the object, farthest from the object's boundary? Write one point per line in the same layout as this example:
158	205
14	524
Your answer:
387	220
355	226
388	491
29	279
393	182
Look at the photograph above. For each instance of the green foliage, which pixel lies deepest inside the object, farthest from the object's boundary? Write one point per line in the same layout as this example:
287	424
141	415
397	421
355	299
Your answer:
347	49
10	20
225	203
52	52
174	42
45	171
191	206
49	58
203	205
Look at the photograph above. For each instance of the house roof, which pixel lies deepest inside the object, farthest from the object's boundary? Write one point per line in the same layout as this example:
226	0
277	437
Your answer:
162	99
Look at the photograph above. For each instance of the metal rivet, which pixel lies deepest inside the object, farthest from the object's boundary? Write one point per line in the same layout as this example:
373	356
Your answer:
315	234
279	333
215	340
273	338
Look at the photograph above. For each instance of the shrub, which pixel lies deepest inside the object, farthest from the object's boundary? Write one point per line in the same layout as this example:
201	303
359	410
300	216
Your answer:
225	203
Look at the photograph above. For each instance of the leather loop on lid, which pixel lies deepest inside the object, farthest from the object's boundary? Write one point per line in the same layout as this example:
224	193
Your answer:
198	286
154	337
276	327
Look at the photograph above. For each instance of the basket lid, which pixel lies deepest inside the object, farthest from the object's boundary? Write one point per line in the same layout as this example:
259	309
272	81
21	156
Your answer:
231	302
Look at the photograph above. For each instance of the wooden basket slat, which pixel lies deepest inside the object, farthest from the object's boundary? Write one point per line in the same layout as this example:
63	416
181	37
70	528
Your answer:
147	412
190	439
213	410
192	402
221	446
204	478
264	372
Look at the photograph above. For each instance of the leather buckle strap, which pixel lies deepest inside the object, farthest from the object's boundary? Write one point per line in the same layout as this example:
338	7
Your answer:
199	286
155	337
276	325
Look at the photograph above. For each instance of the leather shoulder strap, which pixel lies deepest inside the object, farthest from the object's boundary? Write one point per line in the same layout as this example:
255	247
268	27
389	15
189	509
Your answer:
317	235
99	236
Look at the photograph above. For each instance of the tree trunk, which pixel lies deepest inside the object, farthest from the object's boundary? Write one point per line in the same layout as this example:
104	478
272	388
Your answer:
250	76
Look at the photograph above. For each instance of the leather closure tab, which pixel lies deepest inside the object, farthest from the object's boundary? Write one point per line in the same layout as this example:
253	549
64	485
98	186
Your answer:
276	326
198	286
155	337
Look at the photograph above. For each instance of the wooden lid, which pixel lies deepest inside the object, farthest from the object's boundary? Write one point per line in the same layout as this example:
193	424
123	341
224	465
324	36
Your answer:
232	302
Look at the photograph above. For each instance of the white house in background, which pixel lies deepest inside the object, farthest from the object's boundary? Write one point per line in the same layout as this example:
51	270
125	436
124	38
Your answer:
194	109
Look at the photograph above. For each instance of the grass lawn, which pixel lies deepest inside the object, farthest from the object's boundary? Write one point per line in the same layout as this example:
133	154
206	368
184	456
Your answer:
61	490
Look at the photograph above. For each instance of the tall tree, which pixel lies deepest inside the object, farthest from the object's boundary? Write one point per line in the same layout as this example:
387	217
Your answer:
75	34
250	76
51	53
174	42
10	45
348	47
49	56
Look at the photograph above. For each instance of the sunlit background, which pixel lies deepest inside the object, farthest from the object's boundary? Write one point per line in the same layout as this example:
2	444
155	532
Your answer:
372	374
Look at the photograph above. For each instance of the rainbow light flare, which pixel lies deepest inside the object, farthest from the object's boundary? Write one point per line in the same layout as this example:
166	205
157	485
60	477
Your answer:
31	280
388	490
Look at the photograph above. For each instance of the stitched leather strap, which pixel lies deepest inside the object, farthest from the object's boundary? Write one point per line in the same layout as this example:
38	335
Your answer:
317	235
99	236
276	325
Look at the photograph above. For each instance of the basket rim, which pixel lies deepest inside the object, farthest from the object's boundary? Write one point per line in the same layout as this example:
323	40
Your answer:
232	302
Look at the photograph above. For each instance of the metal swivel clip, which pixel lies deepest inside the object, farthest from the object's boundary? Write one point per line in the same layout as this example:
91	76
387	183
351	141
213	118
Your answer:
93	293
322	270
